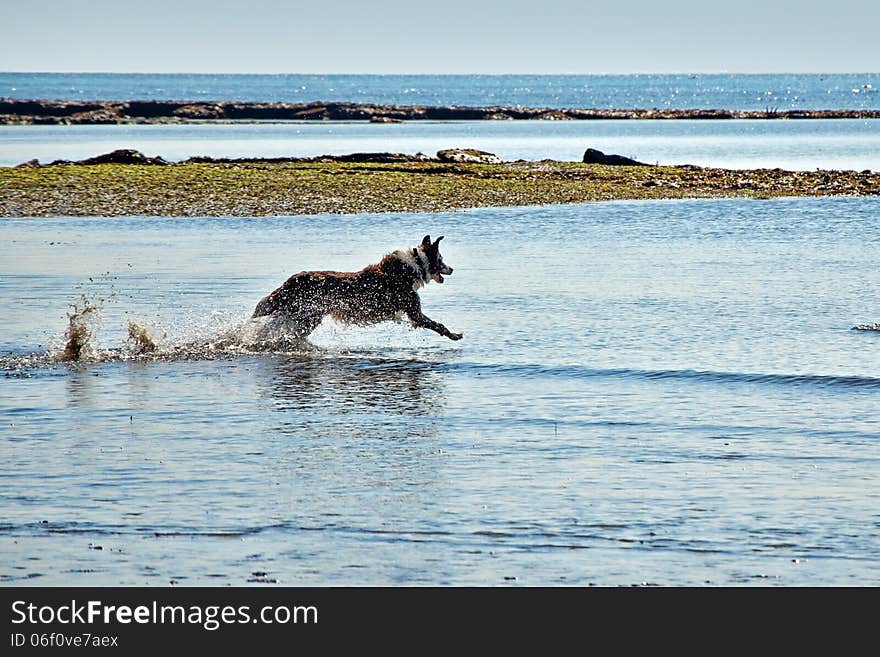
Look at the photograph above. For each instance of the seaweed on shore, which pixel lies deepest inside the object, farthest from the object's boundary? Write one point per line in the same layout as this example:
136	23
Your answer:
337	185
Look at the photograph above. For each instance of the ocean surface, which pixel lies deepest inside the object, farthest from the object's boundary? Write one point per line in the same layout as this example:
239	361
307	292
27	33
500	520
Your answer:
662	392
746	92
793	145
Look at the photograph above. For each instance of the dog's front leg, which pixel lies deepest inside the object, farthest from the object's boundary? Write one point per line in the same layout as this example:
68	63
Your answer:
420	320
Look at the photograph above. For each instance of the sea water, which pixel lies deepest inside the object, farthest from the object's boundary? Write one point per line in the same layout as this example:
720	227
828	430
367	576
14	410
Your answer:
664	392
794	145
677	91
801	144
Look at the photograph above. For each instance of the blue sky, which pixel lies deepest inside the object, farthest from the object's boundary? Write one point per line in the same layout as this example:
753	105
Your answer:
447	36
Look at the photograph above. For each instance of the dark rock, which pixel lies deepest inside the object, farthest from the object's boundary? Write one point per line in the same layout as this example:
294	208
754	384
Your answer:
458	113
468	155
96	117
376	157
15	111
151	108
51	120
30	164
714	114
312	113
121	156
48	107
592	156
351	157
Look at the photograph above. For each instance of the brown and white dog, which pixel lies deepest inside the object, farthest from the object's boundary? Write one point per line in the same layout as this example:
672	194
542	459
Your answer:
376	293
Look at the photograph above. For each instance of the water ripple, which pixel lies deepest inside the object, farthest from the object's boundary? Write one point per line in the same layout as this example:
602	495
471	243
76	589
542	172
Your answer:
16	364
582	372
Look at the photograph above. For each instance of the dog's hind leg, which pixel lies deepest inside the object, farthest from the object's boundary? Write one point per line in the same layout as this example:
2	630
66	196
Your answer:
282	330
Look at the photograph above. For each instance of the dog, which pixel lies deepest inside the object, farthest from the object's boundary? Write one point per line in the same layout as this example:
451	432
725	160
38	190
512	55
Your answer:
376	293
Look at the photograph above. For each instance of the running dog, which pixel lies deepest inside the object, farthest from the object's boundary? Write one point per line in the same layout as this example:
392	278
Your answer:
376	293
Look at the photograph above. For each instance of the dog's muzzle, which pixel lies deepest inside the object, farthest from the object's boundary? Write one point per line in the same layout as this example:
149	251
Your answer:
443	270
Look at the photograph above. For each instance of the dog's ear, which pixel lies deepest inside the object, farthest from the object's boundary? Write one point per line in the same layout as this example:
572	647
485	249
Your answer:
437	241
426	241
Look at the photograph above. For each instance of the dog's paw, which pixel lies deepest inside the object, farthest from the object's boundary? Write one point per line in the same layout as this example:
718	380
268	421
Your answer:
456	336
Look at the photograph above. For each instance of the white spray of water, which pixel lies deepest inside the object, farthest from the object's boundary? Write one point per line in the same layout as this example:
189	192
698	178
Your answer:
141	338
221	335
81	323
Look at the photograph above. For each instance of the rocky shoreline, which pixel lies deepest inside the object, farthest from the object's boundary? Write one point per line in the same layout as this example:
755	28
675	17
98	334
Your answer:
127	183
67	112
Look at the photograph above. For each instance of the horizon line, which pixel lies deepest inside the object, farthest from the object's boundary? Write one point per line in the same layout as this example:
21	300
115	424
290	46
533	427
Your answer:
544	74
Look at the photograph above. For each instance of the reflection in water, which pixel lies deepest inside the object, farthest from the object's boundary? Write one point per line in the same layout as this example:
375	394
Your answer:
353	436
349	396
341	385
81	392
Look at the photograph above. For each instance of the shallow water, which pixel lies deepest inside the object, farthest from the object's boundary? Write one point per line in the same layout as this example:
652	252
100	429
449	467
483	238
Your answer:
795	144
647	392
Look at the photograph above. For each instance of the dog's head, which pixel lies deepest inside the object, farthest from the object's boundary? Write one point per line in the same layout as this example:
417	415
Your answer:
436	267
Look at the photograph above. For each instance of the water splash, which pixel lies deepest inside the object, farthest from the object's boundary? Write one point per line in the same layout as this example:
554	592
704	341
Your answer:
141	338
221	336
275	334
81	322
